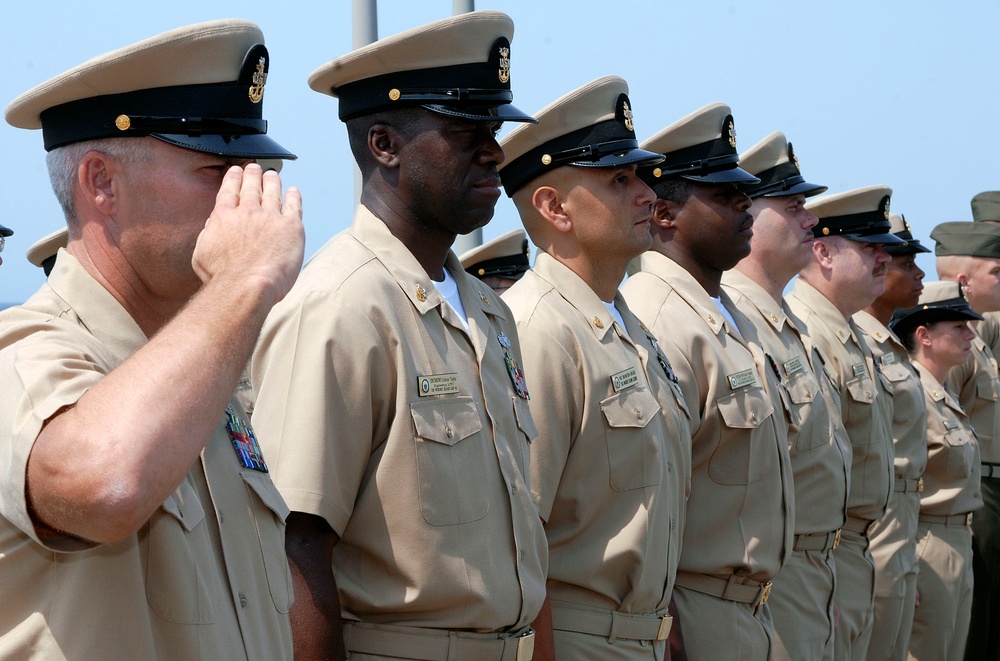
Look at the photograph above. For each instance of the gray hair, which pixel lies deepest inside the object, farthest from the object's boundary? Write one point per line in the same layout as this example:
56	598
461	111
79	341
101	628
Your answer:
64	161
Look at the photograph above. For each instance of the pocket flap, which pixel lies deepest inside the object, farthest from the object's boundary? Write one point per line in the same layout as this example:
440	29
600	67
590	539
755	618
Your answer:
634	407
184	505
746	408
524	420
445	421
262	485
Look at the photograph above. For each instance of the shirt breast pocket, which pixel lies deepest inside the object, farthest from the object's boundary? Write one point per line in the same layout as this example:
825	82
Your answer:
451	462
270	513
633	450
739	460
802	389
175	588
861	397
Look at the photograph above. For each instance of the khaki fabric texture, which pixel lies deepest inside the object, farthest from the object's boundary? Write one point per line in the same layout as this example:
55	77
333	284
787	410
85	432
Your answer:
611	467
174	589
739	518
429	494
854	596
977	386
864	400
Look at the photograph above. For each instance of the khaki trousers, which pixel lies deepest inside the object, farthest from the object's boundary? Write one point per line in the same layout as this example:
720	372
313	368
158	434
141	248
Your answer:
855	597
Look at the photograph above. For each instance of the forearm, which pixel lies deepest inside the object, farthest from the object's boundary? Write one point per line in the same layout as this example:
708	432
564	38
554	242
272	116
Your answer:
100	469
317	627
545	649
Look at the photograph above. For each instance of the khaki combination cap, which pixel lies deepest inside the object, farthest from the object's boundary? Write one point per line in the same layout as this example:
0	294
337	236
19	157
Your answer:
591	127
199	87
901	228
699	147
986	207
507	256
46	247
861	215
459	66
965	238
773	161
940	301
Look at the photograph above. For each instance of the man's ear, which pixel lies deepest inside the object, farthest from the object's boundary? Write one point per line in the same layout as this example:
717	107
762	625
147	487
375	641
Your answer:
822	254
549	204
384	143
665	213
96	176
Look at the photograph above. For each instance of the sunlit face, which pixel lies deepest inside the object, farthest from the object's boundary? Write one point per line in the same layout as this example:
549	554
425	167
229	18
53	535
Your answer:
982	286
858	269
716	225
449	172
610	209
163	203
904	282
782	232
950	342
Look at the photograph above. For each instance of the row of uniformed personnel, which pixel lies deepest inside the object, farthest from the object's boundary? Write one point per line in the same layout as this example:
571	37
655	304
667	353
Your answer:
463	479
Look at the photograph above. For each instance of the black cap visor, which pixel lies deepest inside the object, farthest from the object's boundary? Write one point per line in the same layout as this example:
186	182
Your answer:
233	146
733	175
885	239
799	188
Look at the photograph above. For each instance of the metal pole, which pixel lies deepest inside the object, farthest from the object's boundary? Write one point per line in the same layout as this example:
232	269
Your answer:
364	14
475	237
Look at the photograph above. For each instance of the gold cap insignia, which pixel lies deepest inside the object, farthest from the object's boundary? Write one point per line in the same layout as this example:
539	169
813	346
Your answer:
259	79
731	128
906	225
627	112
504	73
123	122
885	209
793	157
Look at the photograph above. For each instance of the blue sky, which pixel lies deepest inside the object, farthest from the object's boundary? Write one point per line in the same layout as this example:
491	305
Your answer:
888	92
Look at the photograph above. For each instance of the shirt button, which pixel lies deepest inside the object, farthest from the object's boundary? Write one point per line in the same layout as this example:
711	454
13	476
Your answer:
243	600
447	431
513	488
638	414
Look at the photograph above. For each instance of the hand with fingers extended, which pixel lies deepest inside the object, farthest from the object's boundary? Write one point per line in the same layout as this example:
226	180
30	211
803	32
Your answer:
253	237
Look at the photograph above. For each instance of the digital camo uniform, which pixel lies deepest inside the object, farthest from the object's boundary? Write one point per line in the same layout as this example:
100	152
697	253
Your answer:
611	464
802	600
387	417
951	493
977	386
185	586
894	539
865	405
739	528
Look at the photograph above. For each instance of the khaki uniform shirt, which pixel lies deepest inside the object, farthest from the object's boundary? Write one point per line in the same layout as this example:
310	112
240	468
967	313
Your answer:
951	482
817	441
865	403
381	415
977	385
909	412
204	578
610	469
739	518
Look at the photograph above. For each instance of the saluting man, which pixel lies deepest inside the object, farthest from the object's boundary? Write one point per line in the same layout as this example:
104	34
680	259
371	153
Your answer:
739	529
390	393
611	465
137	516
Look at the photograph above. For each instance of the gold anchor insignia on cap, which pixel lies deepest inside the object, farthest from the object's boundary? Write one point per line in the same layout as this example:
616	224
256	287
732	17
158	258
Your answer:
421	294
795	159
598	322
259	79
394	94
504	73
732	133
123	122
906	225
627	112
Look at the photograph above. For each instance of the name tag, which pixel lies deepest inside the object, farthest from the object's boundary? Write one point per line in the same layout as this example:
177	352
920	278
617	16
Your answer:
742	379
950	424
859	369
624	380
889	359
793	366
437	384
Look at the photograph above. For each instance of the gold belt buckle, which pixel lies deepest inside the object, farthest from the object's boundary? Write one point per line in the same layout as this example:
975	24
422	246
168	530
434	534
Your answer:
526	646
665	623
968	519
836	538
920	484
766	594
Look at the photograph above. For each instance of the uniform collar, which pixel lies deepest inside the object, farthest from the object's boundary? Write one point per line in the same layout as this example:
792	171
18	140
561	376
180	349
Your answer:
579	294
773	313
99	312
674	275
877	330
411	276
935	390
824	309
